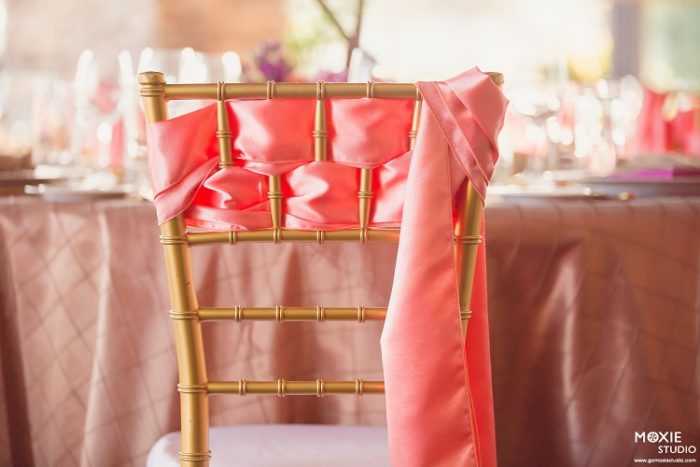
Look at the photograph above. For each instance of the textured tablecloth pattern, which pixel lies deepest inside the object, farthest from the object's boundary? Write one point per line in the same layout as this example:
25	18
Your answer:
595	325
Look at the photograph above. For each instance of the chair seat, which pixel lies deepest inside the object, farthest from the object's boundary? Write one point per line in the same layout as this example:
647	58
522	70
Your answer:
284	446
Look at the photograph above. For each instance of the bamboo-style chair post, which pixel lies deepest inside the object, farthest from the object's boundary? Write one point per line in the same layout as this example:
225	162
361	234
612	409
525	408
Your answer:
274	195
364	194
415	120
467	231
194	405
274	183
467	237
320	128
223	129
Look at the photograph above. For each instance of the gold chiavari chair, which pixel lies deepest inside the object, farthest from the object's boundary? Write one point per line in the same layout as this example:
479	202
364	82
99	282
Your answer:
186	313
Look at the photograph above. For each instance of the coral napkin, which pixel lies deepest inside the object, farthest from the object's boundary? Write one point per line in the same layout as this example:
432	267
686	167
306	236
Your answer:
439	409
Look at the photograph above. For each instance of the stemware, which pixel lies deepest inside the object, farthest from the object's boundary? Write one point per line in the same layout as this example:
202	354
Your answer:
16	96
179	66
98	102
52	122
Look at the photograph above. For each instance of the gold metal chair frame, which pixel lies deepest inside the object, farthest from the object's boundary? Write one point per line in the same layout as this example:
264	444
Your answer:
187	315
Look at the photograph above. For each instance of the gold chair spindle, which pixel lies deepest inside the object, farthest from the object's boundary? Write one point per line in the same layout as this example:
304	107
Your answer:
223	131
416	119
281	313
282	387
194	403
364	195
274	193
320	129
467	237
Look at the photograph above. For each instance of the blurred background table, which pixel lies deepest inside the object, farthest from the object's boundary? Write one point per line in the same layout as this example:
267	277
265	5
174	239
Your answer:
597	336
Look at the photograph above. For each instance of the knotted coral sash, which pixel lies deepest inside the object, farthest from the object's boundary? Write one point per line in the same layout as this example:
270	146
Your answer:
439	409
274	138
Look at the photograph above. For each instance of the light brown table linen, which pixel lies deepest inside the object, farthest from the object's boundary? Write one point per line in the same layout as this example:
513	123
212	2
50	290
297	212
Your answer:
594	308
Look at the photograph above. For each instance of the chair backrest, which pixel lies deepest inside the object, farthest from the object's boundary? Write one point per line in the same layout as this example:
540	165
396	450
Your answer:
187	315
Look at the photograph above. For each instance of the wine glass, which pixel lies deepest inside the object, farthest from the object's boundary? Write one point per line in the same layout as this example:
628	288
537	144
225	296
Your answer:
53	122
98	102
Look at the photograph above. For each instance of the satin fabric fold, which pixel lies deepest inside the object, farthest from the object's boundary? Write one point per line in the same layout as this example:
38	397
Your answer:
439	409
268	139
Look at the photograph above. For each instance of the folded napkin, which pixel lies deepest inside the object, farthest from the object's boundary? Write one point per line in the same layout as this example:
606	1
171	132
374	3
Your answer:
656	174
667	167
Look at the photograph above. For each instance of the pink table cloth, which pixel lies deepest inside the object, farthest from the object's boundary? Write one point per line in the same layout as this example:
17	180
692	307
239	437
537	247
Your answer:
594	318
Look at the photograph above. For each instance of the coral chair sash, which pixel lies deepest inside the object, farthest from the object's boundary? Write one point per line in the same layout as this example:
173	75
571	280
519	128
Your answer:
439	409
439	412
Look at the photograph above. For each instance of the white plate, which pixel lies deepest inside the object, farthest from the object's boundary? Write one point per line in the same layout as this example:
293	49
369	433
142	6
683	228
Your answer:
542	192
642	188
10	178
68	194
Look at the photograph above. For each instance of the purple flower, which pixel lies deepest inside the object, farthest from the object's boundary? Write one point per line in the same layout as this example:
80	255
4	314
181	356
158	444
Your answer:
269	64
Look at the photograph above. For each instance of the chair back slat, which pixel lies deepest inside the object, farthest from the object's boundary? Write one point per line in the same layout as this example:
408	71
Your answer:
294	90
280	313
282	387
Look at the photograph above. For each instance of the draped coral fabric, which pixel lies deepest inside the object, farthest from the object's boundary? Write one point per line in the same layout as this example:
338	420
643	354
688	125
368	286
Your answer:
439	408
658	134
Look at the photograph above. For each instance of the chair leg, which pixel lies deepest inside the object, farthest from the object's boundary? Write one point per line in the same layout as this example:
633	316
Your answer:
194	409
194	405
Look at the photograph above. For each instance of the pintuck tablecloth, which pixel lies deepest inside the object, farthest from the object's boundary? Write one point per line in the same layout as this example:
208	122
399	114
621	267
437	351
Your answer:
594	308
